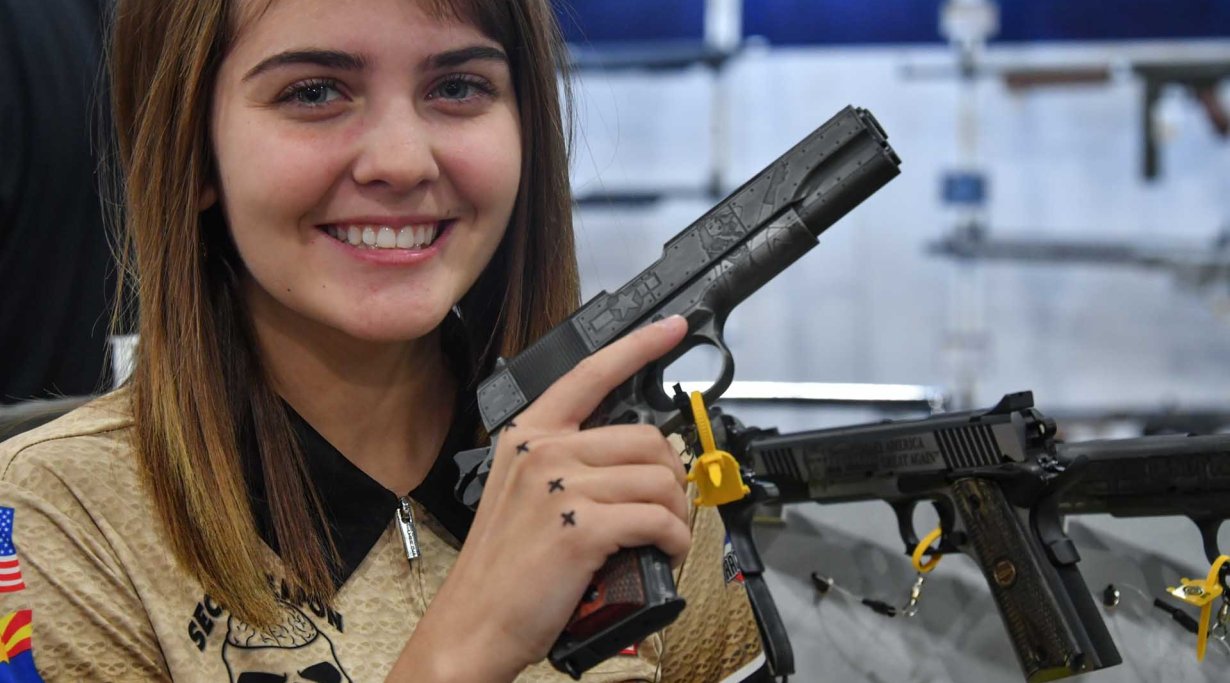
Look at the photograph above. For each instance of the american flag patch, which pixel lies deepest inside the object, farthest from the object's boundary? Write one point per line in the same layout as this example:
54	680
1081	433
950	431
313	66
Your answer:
10	568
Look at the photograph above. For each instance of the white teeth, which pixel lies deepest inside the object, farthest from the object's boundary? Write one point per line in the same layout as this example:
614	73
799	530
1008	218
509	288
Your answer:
386	237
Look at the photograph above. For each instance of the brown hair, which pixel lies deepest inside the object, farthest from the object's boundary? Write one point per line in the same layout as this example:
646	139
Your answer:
198	384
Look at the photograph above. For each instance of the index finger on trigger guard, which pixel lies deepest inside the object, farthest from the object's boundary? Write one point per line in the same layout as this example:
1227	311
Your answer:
576	395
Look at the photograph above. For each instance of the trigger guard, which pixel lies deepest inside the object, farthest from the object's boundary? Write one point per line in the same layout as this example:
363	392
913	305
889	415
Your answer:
725	379
706	335
711	334
1209	529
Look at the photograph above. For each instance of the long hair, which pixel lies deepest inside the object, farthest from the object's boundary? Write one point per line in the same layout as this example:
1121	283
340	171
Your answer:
198	384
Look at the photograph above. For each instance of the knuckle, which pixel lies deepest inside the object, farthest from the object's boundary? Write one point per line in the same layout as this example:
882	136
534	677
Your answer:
528	451
680	528
665	485
674	533
550	450
649	435
661	517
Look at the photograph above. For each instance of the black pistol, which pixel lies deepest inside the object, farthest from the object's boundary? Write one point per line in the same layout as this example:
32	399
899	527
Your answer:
998	483
704	272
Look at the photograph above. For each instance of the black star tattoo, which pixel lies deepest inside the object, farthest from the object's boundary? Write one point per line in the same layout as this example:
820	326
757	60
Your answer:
523	447
555	485
570	518
510	425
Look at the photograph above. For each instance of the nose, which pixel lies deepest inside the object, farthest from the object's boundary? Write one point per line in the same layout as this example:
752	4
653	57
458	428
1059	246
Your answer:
396	151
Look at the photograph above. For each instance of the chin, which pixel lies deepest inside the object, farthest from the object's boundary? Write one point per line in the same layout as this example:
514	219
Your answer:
390	334
392	329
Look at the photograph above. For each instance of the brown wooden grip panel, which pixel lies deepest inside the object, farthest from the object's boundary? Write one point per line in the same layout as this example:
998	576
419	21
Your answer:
1022	582
618	589
632	596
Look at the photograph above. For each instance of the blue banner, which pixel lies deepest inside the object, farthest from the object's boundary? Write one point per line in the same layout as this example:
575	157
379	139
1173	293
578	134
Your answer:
852	22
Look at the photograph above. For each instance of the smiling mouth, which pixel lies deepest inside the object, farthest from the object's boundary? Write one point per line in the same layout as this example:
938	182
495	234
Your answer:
405	237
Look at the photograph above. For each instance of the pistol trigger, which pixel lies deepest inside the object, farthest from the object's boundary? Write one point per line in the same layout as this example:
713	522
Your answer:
905	523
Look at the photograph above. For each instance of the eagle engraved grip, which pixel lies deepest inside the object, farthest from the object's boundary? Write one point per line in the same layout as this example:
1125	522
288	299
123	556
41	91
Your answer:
1039	618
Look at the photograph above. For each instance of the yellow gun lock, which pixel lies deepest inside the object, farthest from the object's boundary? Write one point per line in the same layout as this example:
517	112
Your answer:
715	473
1202	594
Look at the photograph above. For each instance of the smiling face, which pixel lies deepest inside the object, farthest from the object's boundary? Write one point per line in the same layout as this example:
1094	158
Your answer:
368	158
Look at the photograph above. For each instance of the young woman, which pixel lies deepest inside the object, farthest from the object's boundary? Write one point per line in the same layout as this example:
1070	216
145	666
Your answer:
340	212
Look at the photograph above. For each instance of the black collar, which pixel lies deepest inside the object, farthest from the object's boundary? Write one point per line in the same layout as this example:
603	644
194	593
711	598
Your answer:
357	509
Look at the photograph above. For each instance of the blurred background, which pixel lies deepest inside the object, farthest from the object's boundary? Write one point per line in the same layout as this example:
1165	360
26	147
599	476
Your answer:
1061	224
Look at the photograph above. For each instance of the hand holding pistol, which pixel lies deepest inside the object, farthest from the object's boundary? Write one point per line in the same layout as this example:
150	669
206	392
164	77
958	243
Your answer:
704	272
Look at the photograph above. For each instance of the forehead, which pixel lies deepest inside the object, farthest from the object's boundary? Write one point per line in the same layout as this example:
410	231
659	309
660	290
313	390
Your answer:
468	11
275	24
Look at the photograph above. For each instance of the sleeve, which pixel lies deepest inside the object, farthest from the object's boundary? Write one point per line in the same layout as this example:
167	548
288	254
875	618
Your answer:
715	639
69	609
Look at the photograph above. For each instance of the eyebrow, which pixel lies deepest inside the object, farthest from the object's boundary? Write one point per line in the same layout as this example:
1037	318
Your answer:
451	58
332	59
347	61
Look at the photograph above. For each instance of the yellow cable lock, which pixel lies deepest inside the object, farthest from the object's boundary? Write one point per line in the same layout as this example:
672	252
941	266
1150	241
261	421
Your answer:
716	473
921	549
1202	594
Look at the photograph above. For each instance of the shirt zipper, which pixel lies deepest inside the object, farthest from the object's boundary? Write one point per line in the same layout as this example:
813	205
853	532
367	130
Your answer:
405	524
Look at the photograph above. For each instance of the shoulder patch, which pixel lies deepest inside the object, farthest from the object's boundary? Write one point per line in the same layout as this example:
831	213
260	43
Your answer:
16	651
10	568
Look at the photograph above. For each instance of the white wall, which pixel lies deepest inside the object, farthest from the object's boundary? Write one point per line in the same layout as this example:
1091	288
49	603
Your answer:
869	305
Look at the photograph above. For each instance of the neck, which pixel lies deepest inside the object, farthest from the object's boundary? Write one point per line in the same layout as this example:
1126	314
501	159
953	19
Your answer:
386	406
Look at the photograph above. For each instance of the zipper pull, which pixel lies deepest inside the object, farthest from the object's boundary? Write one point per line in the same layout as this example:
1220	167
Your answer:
405	524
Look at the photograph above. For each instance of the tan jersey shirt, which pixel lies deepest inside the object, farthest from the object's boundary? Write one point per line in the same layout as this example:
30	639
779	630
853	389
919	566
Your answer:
108	602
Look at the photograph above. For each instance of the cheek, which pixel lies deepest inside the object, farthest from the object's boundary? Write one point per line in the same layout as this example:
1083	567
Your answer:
267	173
487	168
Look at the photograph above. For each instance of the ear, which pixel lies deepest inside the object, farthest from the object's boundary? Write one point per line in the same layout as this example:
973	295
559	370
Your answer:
207	198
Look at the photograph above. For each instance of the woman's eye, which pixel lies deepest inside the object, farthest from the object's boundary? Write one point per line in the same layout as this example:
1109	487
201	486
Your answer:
315	93
461	89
